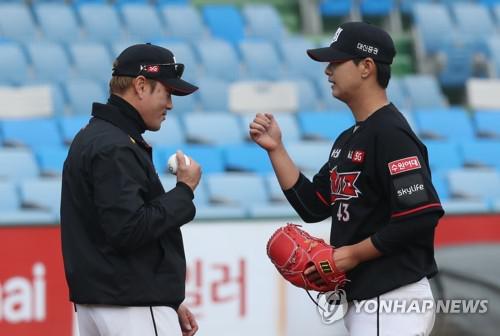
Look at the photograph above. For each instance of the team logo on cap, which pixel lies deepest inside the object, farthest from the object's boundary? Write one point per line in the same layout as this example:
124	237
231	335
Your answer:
336	35
343	185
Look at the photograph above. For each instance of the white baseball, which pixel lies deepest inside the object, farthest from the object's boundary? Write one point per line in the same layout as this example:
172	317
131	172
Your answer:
172	163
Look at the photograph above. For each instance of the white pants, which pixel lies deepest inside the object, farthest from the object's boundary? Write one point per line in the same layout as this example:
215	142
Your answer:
100	320
362	319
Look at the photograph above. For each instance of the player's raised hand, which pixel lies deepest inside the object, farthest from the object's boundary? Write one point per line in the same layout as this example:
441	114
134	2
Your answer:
265	132
188	173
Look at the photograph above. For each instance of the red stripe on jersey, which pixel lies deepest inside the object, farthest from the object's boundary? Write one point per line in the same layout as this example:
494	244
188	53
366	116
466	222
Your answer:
322	199
433	205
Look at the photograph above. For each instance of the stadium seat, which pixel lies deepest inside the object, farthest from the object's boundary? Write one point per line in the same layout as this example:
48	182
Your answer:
51	159
171	133
82	93
183	21
263	21
307	94
458	64
482	153
335	8
16	22
71	125
493	51
31	132
246	158
290	131
213	128
42	194
13	64
50	61
473	19
9	198
142	21
276	194
406	6
185	104
225	22
324	125
58	22
213	94
423	91
487	123
209	157
378	8
480	184
293	52
466	206
100	22
440	182
183	54
92	61
22	164
219	59
444	155
396	94
261	60
310	156
435	124
433	24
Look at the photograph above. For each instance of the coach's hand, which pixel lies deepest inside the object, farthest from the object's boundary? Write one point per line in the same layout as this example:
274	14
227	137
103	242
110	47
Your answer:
187	321
265	132
189	174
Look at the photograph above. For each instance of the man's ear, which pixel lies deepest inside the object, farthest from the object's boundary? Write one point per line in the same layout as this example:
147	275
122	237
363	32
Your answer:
368	67
139	84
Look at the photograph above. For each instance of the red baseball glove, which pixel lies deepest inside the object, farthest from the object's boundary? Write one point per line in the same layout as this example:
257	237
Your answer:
293	250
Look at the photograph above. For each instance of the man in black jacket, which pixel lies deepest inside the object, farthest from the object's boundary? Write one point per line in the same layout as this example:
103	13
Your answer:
121	239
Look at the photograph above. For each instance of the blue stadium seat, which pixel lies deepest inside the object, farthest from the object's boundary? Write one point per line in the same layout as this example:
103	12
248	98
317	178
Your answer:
423	91
311	155
487	123
406	6
219	59
444	155
213	94
171	133
307	94
496	12
183	21
42	194
58	22
185	104
290	131
209	157
82	93
335	8
324	125
440	182
376	7
121	3
489	3
31	132
263	21
213	128
482	153
435	124
434	25
225	22
50	61
142	21
493	52
293	52
92	61
465	206
51	159
481	184
22	164
57	95
16	22
458	62
276	194
70	125
396	94
261	59
183	54
9	199
473	19
246	158
100	22
13	64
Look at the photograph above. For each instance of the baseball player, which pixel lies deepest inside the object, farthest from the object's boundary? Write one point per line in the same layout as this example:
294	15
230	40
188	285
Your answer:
121	239
375	185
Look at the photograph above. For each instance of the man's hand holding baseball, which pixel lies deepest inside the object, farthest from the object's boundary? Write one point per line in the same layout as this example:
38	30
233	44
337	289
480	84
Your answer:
189	174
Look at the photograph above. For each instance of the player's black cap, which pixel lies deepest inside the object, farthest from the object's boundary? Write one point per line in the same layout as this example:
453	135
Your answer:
357	40
153	62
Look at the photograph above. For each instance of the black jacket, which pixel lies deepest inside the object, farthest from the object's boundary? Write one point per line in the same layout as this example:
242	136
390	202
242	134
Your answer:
121	237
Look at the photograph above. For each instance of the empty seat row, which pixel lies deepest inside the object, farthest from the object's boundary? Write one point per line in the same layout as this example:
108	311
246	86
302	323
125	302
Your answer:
103	22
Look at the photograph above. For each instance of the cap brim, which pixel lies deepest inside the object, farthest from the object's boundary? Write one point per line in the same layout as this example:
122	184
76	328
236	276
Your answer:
328	54
179	86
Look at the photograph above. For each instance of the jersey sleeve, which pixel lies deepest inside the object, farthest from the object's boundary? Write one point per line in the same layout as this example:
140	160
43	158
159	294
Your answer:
311	199
403	170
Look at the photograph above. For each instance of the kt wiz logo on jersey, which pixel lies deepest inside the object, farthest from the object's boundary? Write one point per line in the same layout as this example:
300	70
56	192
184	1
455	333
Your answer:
343	185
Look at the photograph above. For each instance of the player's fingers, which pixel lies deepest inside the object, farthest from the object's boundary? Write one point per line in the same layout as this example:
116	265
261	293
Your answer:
181	161
194	325
310	270
257	126
262	121
255	132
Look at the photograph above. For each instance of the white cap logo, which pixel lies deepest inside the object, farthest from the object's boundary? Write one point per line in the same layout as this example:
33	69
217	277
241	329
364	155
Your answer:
337	34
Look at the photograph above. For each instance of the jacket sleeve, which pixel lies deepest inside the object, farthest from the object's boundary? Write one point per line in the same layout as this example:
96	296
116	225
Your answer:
120	186
311	199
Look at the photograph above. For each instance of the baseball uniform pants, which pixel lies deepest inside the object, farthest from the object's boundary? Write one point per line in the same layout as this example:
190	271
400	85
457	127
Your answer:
99	320
405	311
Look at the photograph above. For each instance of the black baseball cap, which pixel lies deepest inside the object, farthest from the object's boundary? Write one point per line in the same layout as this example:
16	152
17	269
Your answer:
357	40
153	62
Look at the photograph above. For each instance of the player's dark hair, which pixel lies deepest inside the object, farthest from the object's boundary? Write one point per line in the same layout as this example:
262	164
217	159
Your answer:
383	72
